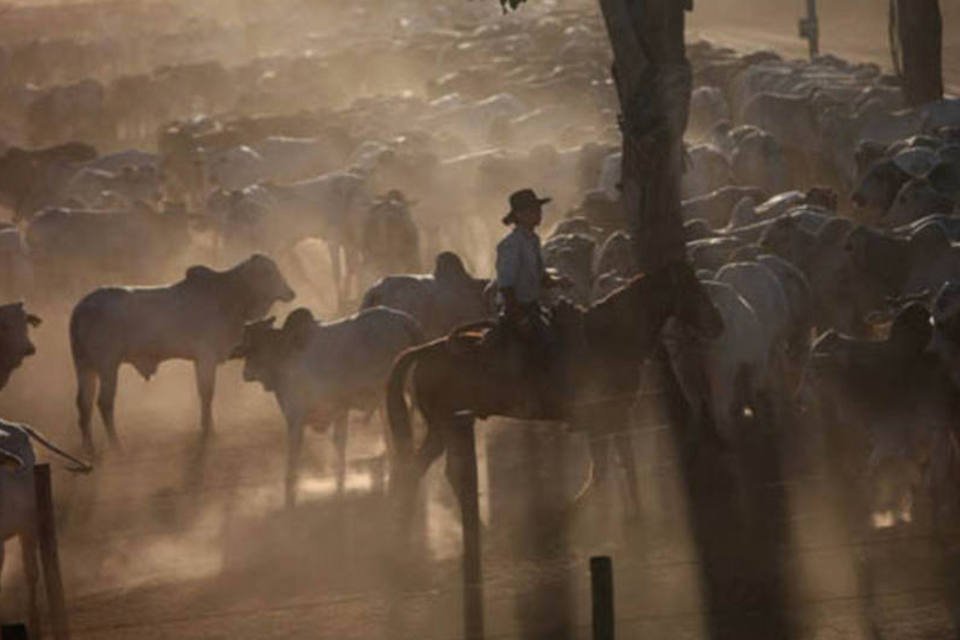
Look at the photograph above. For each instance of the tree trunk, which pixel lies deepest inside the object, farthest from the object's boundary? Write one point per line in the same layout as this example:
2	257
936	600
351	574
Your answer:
736	521
653	83
916	32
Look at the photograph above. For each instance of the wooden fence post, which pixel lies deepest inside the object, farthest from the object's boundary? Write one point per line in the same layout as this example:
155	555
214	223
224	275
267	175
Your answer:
601	590
49	553
465	452
14	632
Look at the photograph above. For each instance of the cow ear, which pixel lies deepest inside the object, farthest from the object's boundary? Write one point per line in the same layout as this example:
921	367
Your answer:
34	321
298	327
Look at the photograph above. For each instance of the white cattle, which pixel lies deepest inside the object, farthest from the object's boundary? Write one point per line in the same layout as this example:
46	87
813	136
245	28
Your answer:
319	372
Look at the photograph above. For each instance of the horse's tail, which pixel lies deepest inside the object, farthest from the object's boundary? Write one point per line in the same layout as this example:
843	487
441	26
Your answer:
398	414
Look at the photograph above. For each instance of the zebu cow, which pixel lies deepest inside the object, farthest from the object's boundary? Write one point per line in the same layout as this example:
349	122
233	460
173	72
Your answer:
894	410
200	318
572	255
439	301
129	182
331	207
715	207
15	343
319	372
18	512
893	266
28	178
16	267
67	245
390	240
734	363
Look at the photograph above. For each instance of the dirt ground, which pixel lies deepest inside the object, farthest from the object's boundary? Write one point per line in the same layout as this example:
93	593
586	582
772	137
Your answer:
162	542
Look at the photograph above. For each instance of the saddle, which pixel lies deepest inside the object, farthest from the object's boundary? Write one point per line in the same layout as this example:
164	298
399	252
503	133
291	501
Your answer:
506	356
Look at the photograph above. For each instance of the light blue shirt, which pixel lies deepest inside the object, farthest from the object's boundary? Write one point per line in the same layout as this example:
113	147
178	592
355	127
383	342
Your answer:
520	265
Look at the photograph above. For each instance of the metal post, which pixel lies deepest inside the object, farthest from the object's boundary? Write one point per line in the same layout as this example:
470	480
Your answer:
49	554
809	28
601	588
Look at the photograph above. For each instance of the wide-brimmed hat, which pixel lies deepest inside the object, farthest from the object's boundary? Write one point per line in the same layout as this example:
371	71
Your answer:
520	200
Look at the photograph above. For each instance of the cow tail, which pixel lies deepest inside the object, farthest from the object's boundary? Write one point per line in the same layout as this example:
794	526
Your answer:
81	359
398	414
79	465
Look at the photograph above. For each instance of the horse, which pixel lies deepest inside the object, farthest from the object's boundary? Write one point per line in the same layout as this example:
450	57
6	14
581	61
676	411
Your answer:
600	353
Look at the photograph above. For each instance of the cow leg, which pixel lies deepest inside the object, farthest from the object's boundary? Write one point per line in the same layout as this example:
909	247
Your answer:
351	274
3	557
86	390
294	445
105	401
334	249
599	465
31	572
206	381
340	426
624	447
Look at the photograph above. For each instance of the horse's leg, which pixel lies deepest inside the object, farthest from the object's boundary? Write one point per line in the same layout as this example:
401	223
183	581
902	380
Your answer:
86	391
340	431
431	449
31	572
106	398
206	372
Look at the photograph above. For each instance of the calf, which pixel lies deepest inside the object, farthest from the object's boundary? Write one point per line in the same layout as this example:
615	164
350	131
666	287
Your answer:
200	318
319	372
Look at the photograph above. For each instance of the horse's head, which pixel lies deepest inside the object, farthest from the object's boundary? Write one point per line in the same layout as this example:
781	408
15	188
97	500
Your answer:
635	313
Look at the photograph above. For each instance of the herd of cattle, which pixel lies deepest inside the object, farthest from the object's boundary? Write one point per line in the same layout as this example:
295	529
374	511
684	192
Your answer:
819	215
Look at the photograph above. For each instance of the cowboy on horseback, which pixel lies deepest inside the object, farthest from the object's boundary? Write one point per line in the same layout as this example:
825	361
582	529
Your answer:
521	281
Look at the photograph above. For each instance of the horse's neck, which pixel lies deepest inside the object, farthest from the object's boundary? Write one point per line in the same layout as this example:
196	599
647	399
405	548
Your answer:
609	332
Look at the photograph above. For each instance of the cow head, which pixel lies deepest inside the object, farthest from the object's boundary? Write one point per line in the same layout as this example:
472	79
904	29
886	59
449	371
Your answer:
265	349
15	344
878	188
263	285
915	199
